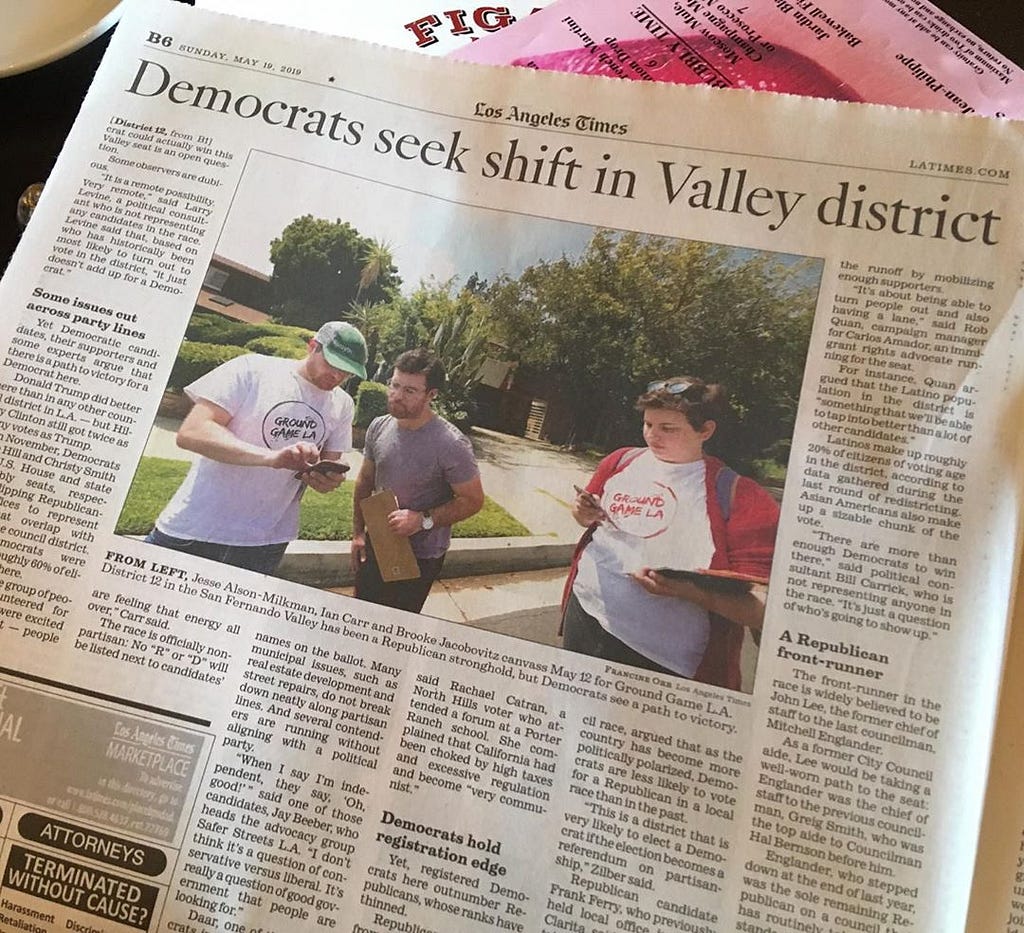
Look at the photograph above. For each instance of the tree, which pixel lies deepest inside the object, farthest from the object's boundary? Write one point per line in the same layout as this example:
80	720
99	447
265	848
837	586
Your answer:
321	267
460	341
634	308
451	323
377	263
365	318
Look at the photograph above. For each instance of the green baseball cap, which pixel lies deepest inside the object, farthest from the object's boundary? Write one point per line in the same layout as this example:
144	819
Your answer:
344	347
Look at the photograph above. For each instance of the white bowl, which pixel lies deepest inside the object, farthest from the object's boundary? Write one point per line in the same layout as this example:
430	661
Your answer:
36	32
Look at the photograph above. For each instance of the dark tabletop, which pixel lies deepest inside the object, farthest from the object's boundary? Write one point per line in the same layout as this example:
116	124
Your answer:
37	108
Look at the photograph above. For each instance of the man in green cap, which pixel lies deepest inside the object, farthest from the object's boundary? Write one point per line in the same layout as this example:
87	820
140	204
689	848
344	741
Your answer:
265	428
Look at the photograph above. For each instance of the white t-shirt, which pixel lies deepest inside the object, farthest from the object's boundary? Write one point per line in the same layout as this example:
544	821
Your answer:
271	406
660	519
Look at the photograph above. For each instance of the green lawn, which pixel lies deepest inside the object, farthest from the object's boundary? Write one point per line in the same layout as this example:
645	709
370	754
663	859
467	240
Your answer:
321	517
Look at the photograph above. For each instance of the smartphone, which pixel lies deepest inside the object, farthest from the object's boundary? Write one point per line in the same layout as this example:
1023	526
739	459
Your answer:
594	502
327	467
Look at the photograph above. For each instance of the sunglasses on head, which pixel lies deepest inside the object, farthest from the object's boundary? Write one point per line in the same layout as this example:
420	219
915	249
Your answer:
688	390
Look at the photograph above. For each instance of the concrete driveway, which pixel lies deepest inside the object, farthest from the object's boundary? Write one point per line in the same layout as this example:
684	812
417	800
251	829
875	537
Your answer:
532	480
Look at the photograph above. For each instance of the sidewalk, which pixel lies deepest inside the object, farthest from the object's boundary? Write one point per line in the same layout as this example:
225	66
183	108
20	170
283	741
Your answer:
484	601
532	480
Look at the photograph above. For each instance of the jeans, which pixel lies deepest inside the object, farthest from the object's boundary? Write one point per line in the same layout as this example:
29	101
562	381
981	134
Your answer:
262	558
402	594
582	633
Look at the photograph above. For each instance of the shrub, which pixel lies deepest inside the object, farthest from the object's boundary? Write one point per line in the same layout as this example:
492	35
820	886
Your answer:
287	330
206	327
197	359
768	472
371	402
288	347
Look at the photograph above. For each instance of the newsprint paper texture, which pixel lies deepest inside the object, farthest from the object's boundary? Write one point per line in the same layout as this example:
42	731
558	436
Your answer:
404	24
187	746
904	52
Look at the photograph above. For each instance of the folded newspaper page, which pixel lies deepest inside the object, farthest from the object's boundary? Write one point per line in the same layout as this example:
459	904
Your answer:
767	337
907	53
405	24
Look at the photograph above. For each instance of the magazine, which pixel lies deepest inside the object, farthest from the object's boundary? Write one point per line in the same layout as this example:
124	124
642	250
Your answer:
761	351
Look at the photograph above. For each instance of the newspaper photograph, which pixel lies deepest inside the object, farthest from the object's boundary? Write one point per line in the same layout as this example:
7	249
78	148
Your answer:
489	301
736	395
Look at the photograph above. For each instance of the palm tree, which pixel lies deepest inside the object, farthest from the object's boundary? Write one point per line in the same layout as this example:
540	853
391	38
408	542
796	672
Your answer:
377	260
460	341
365	316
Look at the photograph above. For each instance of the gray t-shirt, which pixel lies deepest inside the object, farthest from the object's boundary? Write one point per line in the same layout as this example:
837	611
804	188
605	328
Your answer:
420	467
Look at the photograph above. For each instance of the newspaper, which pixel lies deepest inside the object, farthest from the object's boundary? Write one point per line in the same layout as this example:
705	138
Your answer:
408	24
907	53
902	52
188	745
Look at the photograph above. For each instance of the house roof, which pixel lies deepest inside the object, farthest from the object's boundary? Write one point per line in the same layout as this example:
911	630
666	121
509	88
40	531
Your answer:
218	260
214	300
218	304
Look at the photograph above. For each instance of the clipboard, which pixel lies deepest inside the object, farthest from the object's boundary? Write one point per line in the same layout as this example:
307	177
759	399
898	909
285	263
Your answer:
393	552
722	581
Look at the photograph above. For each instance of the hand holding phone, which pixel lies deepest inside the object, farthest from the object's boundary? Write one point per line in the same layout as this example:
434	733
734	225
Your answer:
590	500
325	467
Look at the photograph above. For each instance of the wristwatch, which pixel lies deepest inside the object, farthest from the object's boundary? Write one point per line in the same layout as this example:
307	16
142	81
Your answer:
427	522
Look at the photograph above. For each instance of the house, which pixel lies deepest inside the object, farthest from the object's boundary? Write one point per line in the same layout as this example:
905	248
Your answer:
235	291
519	400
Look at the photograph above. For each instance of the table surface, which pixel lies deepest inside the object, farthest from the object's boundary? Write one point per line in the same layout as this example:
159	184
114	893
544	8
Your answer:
38	108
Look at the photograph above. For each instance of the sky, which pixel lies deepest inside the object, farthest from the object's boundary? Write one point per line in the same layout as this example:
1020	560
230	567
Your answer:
429	237
417	227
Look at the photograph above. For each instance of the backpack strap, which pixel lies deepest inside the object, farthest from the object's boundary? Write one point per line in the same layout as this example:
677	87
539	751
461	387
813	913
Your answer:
725	490
628	456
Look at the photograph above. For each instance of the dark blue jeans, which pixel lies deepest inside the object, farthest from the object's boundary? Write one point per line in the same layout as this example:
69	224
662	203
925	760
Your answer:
409	595
263	558
582	633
